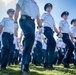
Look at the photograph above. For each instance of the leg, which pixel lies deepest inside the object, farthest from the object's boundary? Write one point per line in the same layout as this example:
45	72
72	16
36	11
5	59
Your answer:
68	54
28	28
5	51
51	44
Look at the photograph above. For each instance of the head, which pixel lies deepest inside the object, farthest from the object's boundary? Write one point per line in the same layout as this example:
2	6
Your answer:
10	12
65	15
48	7
73	22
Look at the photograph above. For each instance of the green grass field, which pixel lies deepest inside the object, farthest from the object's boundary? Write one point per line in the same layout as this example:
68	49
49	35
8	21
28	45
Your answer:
34	70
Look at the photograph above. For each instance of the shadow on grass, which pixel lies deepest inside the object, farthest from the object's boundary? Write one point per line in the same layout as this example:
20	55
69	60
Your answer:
72	70
10	71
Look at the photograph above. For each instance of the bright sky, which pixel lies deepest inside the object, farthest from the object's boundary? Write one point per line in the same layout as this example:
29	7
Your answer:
58	7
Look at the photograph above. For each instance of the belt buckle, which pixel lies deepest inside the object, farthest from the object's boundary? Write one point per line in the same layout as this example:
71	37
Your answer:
23	17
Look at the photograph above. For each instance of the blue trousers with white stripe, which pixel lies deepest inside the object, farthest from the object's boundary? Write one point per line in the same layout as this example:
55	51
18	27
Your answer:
71	47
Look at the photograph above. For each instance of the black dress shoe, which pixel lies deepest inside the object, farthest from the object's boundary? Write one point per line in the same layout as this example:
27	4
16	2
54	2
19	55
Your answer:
51	67
38	64
25	69
66	65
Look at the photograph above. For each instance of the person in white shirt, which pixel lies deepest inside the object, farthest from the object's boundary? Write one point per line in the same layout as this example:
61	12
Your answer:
0	46
29	12
49	26
16	50
73	31
39	36
64	28
44	47
59	44
7	27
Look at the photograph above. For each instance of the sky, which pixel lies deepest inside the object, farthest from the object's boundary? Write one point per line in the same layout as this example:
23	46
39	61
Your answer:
58	7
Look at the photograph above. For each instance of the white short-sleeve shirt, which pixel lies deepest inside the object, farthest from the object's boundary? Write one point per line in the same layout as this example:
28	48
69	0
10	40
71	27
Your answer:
65	26
8	25
73	31
29	7
39	37
48	20
44	46
59	42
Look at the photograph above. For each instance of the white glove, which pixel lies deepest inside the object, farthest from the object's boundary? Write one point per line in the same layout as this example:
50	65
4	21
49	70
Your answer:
74	40
60	35
15	26
41	29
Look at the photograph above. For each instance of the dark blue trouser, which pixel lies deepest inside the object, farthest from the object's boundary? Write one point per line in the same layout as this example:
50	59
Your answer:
60	56
51	44
38	52
0	51
0	55
70	45
15	56
28	28
6	54
44	55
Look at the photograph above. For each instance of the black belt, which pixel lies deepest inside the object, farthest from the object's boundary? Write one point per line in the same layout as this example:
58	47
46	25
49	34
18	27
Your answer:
65	33
7	33
27	17
74	37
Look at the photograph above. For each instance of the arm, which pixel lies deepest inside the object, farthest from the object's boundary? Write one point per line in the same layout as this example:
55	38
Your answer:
17	12
72	38
39	21
55	29
60	29
1	28
21	37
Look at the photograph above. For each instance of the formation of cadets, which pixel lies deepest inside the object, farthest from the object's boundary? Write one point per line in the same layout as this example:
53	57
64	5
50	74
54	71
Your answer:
38	47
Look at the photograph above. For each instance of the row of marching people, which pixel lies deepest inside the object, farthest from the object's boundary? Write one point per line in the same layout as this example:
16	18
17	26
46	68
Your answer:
39	51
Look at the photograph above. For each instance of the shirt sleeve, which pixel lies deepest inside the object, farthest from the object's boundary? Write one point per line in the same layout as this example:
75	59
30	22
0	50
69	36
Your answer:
53	22
43	36
3	22
20	2
43	17
71	29
60	24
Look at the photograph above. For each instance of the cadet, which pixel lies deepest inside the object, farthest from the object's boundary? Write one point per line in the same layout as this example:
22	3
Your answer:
49	25
73	31
0	46
7	38
65	30
38	38
29	12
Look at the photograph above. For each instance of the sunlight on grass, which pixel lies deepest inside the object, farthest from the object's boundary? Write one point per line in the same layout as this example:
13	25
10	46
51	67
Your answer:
59	70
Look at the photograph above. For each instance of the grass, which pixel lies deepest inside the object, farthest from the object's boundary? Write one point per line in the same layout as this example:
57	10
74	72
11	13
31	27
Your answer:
34	70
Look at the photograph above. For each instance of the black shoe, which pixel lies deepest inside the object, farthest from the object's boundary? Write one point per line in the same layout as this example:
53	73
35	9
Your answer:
51	67
25	69
2	67
66	65
38	64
